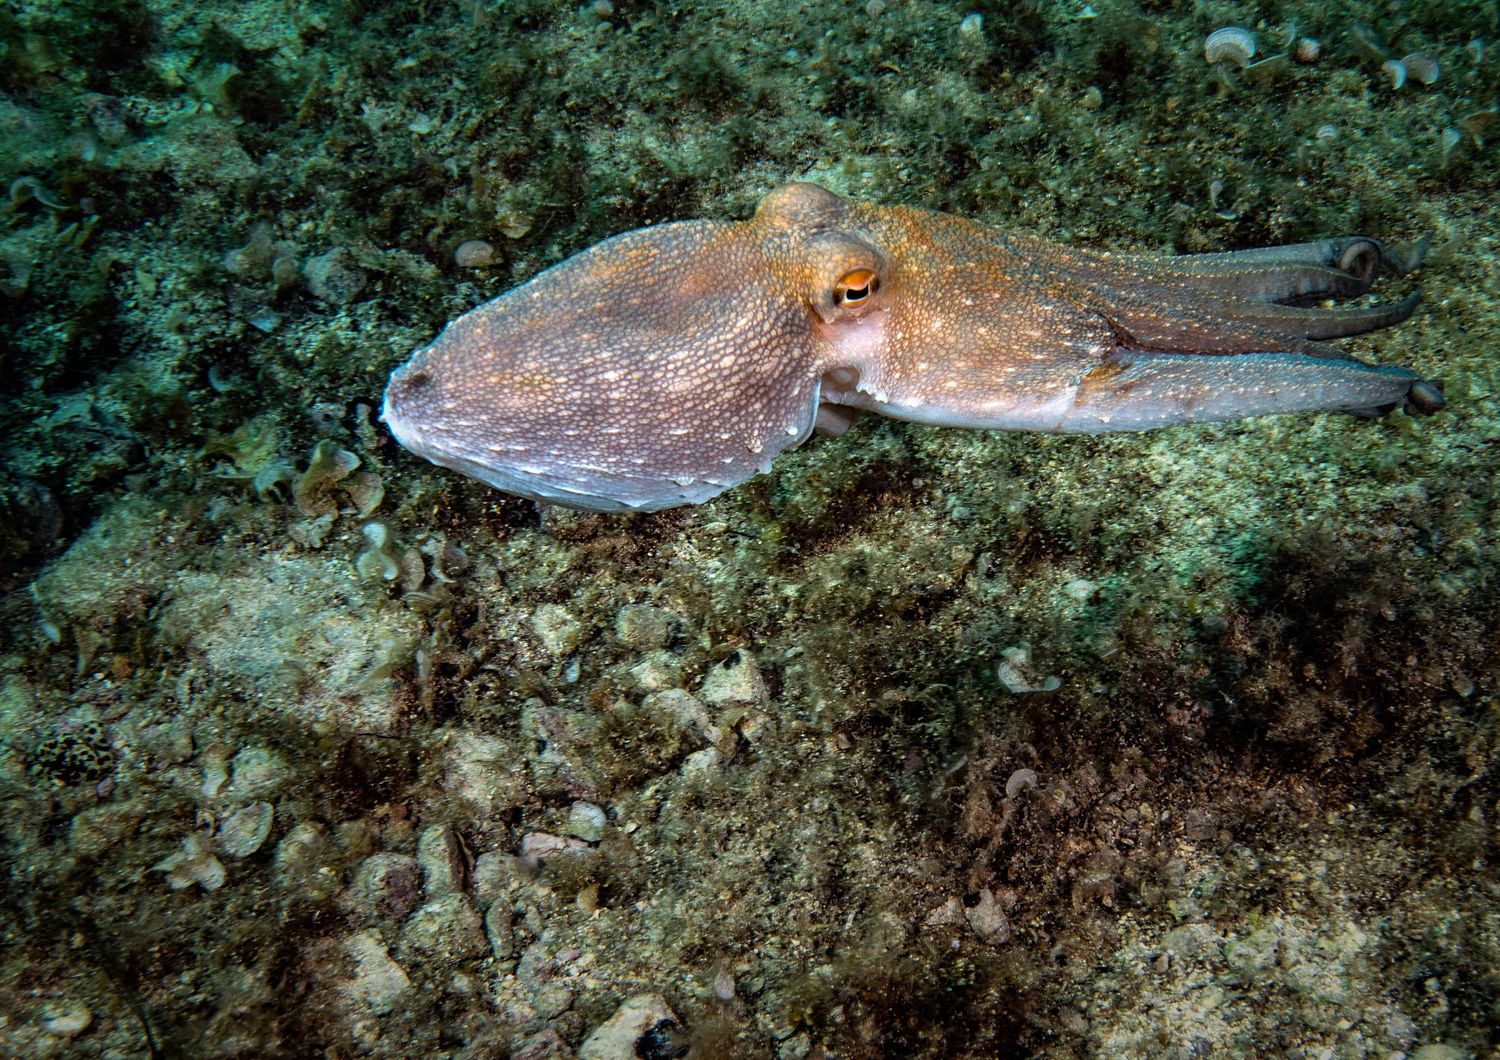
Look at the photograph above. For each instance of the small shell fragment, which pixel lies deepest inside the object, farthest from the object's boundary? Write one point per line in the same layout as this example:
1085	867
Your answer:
1421	69
1234	45
1394	71
473	254
1019	781
67	1020
1308	50
244	831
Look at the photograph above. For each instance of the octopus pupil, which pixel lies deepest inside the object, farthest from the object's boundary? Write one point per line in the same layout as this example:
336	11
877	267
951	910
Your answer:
857	293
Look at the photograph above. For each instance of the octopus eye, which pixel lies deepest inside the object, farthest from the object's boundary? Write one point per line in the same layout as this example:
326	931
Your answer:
855	287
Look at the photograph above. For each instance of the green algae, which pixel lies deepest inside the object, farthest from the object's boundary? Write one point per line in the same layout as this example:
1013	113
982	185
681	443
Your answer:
1264	811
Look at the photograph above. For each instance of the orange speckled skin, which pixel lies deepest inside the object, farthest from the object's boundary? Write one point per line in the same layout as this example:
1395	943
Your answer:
668	364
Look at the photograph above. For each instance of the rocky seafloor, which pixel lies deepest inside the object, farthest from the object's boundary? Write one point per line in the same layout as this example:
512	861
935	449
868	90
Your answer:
929	743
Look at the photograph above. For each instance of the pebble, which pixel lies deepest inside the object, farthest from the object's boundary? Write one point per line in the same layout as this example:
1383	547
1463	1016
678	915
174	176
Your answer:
642	1026
299	855
537	972
333	277
481	770
586	821
643	626
473	254
493	874
378	982
499	928
67	1020
215	771
544	1045
441	860
684	709
194	863
449	927
97	829
255	773
387	885
734	681
1191	942
987	918
1252	954
245	831
556	628
658	671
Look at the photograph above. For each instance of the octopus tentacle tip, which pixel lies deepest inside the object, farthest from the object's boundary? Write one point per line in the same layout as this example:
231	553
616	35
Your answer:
624	380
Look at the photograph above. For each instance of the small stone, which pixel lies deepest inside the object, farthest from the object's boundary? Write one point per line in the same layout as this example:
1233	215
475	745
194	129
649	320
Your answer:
245	831
387	885
586	821
333	277
557	629
299	856
494	873
68	1019
684	710
1253	954
537	972
945	915
484	772
499	928
642	1026
987	918
97	829
657	672
473	254
544	1045
448	927
537	847
1441	1051
700	764
215	771
1191	942
643	626
194	863
734	681
256	773
441	860
378	982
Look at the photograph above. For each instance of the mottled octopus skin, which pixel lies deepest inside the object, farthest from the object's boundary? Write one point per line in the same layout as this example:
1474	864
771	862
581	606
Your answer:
665	365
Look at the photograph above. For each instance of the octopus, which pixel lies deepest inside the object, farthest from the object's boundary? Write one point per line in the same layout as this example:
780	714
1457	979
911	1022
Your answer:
670	363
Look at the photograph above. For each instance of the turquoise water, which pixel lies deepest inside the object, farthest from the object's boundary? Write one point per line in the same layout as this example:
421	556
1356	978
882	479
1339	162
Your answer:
928	742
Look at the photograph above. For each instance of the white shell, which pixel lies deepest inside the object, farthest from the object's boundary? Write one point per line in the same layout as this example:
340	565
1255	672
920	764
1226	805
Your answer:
244	831
1232	44
1420	68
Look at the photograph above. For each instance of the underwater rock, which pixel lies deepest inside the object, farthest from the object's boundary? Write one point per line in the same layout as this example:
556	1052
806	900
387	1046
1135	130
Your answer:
499	928
299	856
378	982
557	629
194	863
734	681
644	626
245	831
658	671
586	821
441	860
642	1026
448	927
67	1019
387	885
987	918
333	277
